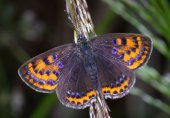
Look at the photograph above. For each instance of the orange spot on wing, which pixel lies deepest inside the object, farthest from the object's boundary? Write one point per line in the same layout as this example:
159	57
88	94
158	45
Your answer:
117	89
130	42
29	65
82	99
40	64
119	41
53	77
50	59
138	63
44	87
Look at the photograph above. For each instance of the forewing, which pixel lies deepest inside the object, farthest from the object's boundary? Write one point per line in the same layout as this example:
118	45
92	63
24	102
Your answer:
74	89
116	79
132	50
43	71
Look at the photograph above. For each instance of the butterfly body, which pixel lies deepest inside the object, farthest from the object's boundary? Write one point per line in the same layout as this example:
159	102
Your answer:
88	59
105	63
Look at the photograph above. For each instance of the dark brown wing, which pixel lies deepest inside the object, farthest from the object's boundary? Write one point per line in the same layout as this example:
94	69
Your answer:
132	50
116	79
42	72
74	89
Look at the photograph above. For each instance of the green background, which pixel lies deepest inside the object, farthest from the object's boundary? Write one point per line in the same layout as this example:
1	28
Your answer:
30	27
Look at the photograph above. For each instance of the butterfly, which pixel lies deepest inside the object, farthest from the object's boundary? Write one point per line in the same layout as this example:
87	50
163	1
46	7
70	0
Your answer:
76	71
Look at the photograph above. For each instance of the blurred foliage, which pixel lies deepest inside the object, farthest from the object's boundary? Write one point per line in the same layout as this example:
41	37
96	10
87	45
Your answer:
150	17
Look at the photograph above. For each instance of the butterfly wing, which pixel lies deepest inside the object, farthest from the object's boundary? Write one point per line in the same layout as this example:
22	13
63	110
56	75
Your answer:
116	79
43	71
74	89
132	50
